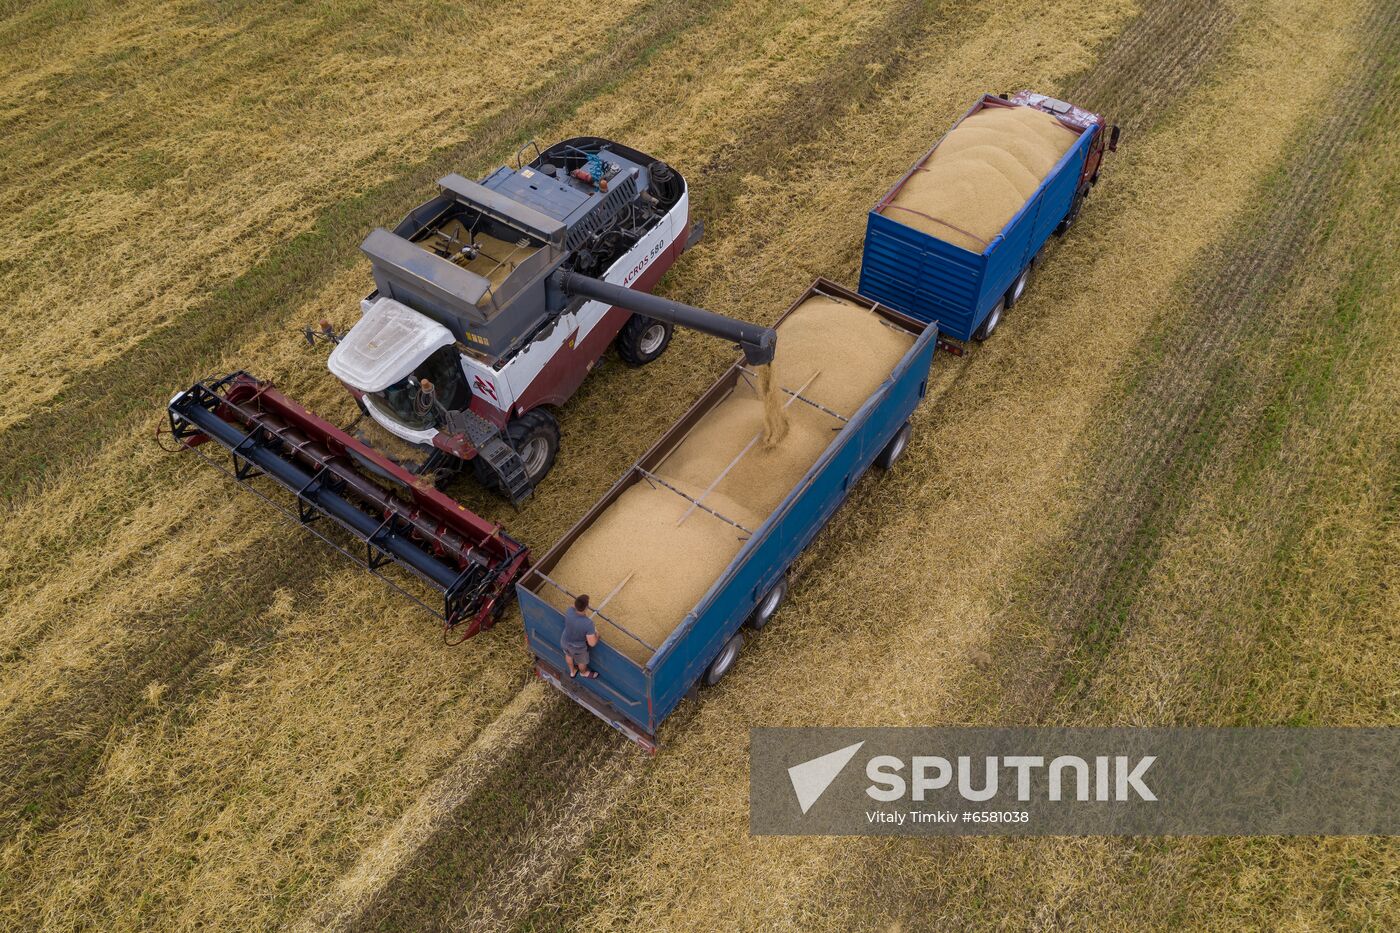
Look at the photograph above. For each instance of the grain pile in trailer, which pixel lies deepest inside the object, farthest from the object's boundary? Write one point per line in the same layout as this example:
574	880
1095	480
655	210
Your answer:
981	174
662	551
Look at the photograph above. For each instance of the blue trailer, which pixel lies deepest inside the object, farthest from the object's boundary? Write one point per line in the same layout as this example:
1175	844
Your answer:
636	698
966	292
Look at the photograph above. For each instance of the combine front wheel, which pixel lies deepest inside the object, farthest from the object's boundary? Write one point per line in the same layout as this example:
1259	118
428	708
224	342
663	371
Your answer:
535	437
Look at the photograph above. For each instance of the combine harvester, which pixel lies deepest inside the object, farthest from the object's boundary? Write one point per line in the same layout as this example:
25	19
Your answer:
496	298
492	302
957	238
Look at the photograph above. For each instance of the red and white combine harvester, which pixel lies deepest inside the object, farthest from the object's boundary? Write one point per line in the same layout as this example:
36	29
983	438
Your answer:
492	302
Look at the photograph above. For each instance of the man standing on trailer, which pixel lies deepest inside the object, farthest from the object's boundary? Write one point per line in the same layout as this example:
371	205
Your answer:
579	636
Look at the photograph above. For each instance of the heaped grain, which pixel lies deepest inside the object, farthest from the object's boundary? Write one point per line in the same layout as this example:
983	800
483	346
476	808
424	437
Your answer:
981	174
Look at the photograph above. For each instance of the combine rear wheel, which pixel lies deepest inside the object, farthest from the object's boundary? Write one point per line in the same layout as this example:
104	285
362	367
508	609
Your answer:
724	661
642	340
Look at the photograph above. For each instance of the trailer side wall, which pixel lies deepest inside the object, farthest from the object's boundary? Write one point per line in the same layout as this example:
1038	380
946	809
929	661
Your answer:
791	528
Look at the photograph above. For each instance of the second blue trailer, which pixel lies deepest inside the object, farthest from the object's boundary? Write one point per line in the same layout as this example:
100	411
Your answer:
965	292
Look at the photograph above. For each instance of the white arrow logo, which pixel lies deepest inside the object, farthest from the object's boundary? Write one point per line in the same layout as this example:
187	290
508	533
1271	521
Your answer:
811	778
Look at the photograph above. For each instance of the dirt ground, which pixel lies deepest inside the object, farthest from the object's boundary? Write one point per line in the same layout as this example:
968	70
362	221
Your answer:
1165	493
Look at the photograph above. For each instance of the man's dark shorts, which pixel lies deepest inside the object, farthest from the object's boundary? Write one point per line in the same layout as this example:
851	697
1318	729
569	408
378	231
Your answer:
578	655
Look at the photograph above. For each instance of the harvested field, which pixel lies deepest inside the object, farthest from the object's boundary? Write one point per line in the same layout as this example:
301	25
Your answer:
1166	492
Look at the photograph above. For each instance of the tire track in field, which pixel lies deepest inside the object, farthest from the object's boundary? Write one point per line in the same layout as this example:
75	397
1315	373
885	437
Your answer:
1164	51
85	413
50	752
1193	389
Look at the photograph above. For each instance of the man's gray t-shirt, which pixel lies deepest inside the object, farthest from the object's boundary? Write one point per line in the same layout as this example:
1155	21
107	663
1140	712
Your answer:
577	628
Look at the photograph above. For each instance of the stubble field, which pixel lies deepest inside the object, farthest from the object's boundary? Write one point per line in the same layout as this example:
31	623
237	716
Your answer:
1165	493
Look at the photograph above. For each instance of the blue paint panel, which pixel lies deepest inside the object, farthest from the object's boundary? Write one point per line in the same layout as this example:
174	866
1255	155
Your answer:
924	277
920	275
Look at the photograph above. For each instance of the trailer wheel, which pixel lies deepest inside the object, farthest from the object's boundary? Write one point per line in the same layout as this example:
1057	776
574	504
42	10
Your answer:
1018	287
642	340
724	661
768	606
895	448
990	322
1075	207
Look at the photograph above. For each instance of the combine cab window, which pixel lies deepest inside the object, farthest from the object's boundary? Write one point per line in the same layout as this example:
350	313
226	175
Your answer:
407	402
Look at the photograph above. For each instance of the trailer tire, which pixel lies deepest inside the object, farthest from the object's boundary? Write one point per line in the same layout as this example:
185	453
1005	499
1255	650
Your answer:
724	661
895	448
768	606
1075	206
990	322
1017	291
642	339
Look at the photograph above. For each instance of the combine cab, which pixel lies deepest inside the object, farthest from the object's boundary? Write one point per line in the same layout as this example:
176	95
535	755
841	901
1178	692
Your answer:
492	302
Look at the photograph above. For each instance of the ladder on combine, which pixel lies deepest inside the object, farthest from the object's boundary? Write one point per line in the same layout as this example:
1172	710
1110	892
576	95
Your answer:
492	447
